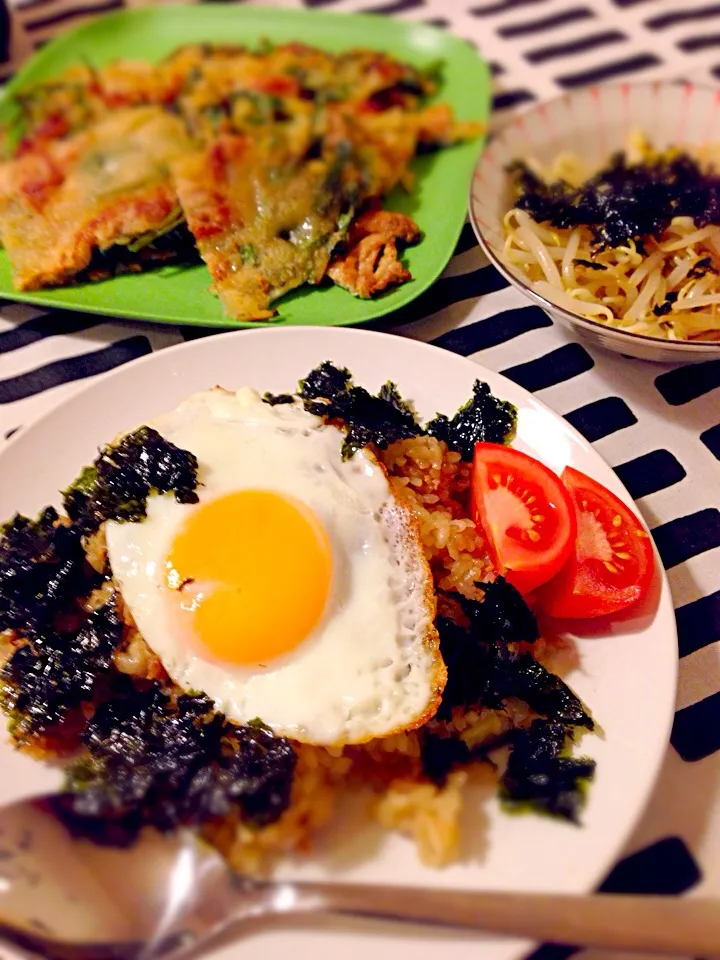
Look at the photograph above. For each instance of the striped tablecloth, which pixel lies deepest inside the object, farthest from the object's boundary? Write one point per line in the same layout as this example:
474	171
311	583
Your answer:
659	427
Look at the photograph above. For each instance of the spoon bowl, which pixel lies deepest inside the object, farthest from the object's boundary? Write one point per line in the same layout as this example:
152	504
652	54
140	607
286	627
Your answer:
66	897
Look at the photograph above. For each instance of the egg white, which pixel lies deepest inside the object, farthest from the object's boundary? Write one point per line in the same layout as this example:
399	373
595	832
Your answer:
372	666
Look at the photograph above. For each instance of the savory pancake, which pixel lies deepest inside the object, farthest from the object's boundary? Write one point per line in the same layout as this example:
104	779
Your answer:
63	202
262	230
259	161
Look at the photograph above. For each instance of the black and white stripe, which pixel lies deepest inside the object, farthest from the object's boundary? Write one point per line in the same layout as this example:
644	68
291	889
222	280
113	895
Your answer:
44	356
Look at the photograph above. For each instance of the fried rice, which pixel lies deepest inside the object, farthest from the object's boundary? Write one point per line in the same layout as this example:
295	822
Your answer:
434	483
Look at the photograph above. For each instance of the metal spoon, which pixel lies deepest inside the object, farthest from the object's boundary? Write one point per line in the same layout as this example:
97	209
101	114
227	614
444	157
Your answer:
170	895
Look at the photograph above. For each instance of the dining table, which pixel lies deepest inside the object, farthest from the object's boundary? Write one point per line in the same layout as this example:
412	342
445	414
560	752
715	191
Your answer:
657	425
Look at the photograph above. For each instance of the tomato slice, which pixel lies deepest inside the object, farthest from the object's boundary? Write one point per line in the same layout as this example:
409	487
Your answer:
525	513
612	564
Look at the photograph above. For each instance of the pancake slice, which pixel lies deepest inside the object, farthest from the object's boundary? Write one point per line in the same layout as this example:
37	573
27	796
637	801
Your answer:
262	226
96	203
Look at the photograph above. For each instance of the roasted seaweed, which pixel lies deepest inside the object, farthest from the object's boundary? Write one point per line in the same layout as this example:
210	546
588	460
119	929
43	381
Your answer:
624	201
277	399
379	419
662	309
540	774
117	485
590	264
150	760
176	247
441	754
42	571
54	672
325	382
482	418
486	669
164	762
523	678
503	616
479	656
468	667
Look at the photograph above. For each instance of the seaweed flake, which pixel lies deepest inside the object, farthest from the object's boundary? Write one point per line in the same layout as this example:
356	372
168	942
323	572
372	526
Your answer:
53	673
381	419
525	679
701	268
485	668
164	762
328	391
590	264
42	570
475	656
325	382
439	756
503	615
373	420
624	201
274	399
539	773
662	309
175	247
121	478
468	663
389	393
482	418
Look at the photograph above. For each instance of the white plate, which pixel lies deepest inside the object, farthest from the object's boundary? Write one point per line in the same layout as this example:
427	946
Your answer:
627	674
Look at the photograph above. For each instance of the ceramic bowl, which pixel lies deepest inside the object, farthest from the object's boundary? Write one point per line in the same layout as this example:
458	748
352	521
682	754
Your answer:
593	123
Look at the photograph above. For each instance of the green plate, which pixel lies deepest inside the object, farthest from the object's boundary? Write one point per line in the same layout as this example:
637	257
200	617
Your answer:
437	203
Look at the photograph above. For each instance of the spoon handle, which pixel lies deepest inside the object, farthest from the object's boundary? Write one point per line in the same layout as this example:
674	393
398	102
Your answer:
666	925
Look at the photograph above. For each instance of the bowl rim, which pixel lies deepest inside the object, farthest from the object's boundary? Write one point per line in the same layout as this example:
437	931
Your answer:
678	346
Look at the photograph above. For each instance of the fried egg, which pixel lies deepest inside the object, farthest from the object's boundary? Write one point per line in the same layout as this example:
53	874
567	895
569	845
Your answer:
295	590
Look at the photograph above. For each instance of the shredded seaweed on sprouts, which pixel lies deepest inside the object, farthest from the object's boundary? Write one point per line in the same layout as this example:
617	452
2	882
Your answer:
624	201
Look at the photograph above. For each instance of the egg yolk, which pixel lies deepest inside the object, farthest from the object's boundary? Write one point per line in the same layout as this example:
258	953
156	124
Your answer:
254	570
